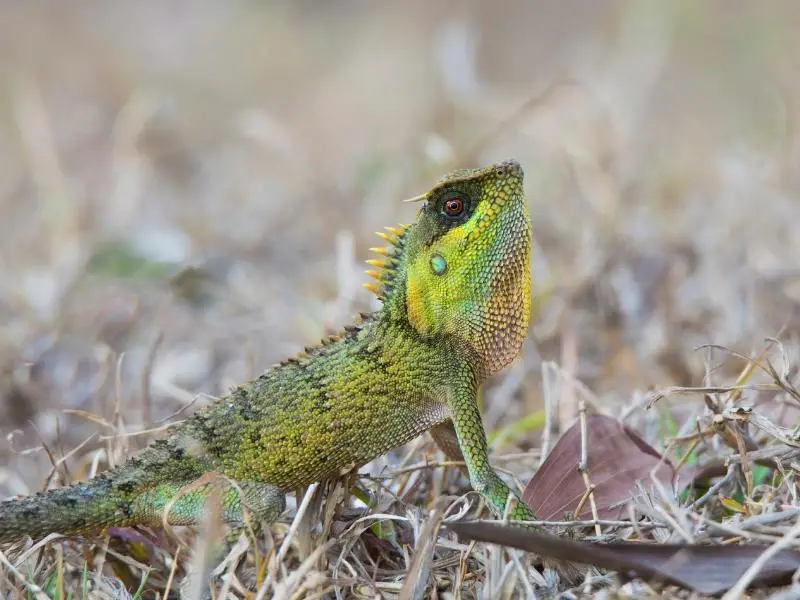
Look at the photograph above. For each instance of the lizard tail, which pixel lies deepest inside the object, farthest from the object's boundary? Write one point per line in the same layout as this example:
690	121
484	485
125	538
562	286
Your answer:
83	507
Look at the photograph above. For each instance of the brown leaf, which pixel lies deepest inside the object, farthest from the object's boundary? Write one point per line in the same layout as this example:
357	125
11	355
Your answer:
705	569
617	459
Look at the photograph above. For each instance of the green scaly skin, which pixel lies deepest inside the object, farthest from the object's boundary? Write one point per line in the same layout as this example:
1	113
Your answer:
456	305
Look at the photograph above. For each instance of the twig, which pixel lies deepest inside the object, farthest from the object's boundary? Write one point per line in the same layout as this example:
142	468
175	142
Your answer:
147	372
715	488
301	511
583	467
737	591
591	523
34	589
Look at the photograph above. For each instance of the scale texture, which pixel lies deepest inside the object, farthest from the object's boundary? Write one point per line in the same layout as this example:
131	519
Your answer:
455	291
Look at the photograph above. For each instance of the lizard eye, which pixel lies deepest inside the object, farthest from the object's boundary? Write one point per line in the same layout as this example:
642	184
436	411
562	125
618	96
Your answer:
454	207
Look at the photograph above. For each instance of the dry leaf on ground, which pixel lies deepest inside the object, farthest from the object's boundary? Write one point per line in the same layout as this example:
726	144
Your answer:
705	569
617	459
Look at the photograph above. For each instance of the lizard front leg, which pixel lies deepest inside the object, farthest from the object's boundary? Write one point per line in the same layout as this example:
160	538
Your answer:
470	442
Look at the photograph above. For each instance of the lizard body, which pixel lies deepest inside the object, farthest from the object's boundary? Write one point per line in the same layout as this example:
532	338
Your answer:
455	291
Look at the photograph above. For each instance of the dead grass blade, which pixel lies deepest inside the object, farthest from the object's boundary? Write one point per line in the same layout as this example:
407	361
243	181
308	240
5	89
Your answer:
417	576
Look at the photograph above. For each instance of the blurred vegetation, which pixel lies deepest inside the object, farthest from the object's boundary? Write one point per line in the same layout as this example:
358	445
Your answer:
188	190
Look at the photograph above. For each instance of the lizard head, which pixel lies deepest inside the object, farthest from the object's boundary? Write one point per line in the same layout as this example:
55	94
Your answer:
462	269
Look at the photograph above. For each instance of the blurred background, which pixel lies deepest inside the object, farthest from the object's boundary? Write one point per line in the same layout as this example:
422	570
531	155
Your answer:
189	189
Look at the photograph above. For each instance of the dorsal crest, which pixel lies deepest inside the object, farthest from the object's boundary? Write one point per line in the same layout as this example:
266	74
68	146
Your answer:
384	269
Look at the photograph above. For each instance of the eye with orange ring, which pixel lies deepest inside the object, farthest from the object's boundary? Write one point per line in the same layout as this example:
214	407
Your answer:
454	206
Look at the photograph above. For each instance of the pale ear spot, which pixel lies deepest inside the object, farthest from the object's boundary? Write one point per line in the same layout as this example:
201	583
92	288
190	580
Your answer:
438	264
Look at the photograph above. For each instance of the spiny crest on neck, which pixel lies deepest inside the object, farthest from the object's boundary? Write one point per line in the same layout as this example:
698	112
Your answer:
385	273
386	268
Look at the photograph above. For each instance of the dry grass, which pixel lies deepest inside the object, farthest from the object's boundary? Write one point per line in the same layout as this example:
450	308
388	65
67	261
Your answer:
189	188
